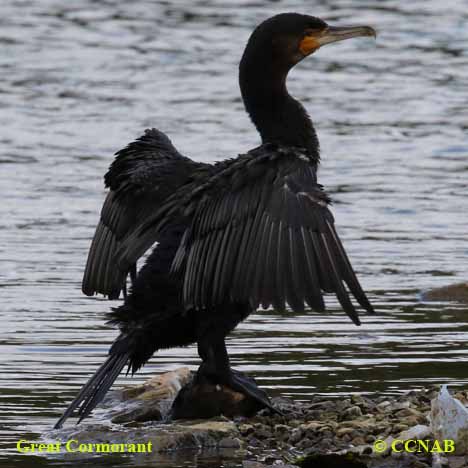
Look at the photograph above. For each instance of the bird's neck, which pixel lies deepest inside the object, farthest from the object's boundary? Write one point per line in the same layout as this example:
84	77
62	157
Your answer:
279	117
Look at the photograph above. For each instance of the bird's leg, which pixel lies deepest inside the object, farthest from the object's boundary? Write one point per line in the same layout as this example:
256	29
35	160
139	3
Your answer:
215	368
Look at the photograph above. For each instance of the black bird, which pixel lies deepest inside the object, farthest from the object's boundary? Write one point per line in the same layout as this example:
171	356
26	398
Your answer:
249	231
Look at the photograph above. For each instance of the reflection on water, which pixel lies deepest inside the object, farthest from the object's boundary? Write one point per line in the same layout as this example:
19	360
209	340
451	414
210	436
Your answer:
80	79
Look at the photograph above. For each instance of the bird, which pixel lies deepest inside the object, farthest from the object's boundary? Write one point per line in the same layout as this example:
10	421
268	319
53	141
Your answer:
251	231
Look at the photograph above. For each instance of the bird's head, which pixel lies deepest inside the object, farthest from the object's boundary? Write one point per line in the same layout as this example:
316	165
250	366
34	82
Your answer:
285	39
275	46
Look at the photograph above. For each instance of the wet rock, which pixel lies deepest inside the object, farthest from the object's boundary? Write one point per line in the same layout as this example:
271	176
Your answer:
366	424
419	464
383	406
288	407
358	400
230	442
198	435
139	414
164	437
330	461
352	413
320	428
281	428
462	396
311	426
202	399
454	292
400	427
148	402
399	406
304	443
457	462
344	430
252	464
246	429
406	412
296	436
161	387
357	441
262	432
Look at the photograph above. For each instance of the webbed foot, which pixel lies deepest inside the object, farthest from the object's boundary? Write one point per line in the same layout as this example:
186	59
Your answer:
241	383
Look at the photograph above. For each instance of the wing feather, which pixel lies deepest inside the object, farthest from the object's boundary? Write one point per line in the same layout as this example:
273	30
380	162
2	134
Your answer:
312	294
279	270
230	260
268	277
341	294
260	232
257	266
142	176
347	271
292	296
203	281
90	276
245	234
220	262
321	261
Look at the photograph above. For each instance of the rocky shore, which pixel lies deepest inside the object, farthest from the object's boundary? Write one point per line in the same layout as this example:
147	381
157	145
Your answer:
354	432
453	292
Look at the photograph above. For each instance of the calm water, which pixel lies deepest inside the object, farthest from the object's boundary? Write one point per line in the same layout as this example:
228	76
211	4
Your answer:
79	80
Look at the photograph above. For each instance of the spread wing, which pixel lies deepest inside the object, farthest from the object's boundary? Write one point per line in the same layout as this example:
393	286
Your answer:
260	232
141	177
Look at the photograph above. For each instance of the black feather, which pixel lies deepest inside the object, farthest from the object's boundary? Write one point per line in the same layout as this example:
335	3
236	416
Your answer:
313	295
347	271
94	390
141	178
267	237
339	289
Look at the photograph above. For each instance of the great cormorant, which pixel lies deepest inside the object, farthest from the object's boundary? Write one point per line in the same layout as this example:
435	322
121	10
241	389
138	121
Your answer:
248	231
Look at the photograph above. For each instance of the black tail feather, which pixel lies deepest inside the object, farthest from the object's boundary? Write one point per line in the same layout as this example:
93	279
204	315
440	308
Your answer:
95	389
101	389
